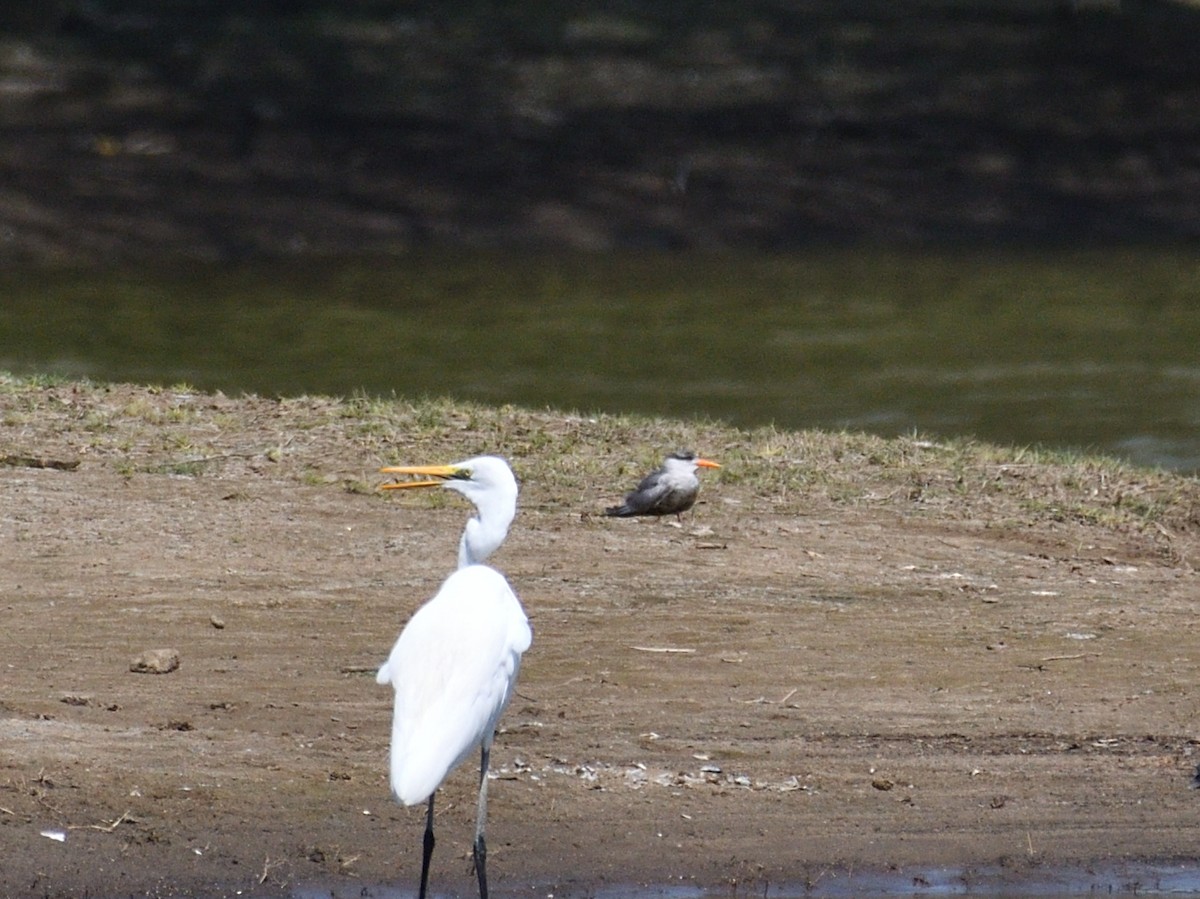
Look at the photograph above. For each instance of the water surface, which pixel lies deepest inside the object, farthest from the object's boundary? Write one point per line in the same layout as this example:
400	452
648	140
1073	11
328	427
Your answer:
1097	350
1111	879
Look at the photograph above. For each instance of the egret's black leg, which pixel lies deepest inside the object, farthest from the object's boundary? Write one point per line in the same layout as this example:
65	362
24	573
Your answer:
480	822
427	852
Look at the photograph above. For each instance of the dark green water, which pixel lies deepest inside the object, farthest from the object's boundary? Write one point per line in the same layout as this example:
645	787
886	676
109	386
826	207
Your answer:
1097	350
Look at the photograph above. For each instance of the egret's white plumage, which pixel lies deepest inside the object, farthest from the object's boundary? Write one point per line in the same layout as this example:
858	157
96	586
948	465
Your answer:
453	668
455	665
493	489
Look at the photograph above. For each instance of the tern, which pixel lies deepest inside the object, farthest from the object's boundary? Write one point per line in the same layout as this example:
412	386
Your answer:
669	490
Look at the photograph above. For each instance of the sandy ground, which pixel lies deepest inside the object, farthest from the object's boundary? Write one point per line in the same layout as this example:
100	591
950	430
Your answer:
782	692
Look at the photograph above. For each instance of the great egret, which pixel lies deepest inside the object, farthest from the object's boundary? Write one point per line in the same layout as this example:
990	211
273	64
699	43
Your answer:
669	490
454	667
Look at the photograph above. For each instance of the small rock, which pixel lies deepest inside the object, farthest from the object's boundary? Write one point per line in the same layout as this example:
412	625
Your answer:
155	661
217	622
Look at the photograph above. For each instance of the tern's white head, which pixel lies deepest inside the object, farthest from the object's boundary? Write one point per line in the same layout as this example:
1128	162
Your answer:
686	462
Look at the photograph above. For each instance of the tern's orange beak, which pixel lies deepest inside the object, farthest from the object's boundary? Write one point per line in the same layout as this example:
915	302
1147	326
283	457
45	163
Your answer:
441	474
707	463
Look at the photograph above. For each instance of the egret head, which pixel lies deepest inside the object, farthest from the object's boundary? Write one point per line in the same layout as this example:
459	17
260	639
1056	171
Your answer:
486	481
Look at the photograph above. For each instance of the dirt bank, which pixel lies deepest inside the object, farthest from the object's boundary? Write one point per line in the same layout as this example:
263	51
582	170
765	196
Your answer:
855	654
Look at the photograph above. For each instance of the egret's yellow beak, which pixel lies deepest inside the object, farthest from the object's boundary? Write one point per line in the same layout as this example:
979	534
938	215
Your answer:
703	463
441	473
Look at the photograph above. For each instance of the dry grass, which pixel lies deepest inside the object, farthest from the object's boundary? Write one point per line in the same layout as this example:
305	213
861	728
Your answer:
565	459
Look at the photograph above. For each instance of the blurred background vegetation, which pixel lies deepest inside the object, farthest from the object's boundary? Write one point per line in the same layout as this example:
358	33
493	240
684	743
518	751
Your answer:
221	130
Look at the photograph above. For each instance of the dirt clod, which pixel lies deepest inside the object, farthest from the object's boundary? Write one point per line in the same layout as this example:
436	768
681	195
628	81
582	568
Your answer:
155	661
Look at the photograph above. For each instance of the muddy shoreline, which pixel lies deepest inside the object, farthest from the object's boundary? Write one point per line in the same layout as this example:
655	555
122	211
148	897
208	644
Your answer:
979	677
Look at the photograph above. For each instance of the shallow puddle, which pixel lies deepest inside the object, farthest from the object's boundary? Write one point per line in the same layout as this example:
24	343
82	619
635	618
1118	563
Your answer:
1112	880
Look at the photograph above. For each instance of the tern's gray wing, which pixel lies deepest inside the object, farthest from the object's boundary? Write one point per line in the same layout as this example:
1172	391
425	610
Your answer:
644	498
655	481
657	494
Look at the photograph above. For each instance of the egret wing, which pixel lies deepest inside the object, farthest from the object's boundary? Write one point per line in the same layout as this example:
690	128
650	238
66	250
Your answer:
453	668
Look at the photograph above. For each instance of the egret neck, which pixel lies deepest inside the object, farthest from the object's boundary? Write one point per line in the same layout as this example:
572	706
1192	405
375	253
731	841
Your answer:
486	531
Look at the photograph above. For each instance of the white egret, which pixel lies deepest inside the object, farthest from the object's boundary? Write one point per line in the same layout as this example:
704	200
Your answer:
669	490
454	667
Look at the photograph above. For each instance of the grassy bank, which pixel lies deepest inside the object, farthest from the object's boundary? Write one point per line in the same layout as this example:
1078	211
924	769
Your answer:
566	459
